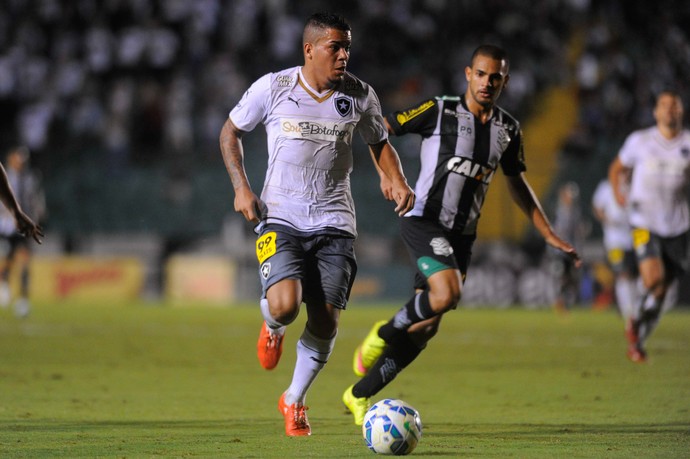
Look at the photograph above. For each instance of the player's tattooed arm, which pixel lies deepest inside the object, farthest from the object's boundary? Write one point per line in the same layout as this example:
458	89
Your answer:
233	154
246	202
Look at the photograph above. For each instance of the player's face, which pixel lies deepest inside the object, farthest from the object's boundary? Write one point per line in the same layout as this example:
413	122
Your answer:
486	79
329	55
669	110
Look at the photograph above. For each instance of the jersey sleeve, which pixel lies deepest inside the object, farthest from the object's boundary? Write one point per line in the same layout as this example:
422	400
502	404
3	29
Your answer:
599	196
627	153
513	159
418	119
371	126
252	108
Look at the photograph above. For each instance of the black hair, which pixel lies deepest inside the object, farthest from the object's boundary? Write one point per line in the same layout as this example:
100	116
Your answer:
327	21
667	91
492	51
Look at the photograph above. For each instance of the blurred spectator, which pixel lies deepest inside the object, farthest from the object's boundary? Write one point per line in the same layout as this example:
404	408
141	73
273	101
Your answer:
64	63
569	225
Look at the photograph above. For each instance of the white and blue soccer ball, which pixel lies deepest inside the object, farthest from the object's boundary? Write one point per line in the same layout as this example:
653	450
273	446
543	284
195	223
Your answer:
392	426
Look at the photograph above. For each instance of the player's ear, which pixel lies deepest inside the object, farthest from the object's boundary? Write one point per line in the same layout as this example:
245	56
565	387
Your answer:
308	48
505	81
468	73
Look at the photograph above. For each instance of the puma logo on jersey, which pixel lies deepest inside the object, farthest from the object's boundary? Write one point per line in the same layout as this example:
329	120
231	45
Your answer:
292	99
468	168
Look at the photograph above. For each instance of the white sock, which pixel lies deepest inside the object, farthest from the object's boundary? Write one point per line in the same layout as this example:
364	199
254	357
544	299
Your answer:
627	297
312	355
276	327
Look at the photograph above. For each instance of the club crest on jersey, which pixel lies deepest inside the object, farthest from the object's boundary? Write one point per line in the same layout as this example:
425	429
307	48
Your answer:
441	246
468	168
265	270
685	152
343	105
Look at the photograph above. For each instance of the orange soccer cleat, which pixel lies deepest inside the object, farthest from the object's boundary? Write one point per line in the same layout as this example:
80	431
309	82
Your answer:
637	354
296	422
269	348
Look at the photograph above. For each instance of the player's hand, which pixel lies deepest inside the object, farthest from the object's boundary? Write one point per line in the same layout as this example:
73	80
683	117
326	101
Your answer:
387	187
249	205
566	248
404	198
28	228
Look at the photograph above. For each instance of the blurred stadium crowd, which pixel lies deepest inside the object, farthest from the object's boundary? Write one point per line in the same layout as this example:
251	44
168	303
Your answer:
121	101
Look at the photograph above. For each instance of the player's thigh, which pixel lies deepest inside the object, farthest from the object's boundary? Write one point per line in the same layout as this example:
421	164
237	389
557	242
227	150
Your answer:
281	267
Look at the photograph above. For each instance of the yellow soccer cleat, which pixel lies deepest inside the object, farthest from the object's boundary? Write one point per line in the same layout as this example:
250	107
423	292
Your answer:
357	406
369	351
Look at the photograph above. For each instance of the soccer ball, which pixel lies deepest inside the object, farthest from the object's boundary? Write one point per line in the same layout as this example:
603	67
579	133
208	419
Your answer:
392	427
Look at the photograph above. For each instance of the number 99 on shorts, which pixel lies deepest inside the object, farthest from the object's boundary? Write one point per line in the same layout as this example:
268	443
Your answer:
266	246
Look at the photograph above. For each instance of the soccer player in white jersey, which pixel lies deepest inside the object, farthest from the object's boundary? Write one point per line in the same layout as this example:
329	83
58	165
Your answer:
658	161
306	215
464	141
619	248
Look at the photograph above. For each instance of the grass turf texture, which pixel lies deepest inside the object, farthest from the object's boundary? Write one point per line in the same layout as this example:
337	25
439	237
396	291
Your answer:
146	381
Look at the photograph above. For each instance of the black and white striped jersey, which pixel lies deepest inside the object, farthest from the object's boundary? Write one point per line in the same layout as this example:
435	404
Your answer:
459	156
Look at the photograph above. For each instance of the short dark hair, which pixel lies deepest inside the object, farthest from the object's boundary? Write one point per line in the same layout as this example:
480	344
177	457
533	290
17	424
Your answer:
325	21
492	51
667	92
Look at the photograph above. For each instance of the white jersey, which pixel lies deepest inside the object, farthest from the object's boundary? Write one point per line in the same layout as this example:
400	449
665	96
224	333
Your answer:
660	179
616	227
309	136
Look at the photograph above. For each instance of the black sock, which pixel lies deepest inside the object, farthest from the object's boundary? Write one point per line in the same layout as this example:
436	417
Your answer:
394	359
416	310
648	320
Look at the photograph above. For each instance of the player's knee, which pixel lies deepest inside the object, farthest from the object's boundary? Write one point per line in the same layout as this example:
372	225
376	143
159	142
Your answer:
426	332
444	299
284	312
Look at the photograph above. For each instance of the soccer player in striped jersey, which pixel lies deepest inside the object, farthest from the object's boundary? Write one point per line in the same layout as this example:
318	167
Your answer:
306	215
657	159
464	141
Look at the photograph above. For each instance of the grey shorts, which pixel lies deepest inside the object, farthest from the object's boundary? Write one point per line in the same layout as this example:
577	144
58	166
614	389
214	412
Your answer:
673	251
622	261
324	262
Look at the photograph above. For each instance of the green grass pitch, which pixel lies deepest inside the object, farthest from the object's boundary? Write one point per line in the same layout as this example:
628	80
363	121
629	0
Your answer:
139	380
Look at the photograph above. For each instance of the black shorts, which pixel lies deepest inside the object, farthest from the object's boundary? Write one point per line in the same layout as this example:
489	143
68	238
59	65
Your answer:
13	242
324	262
673	251
434	248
